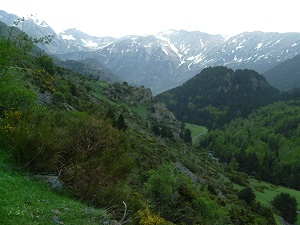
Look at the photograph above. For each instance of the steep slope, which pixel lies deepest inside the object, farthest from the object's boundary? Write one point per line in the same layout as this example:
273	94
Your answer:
99	139
218	95
286	75
265	144
92	68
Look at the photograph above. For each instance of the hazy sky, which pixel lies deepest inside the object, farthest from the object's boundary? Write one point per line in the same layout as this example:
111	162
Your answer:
118	18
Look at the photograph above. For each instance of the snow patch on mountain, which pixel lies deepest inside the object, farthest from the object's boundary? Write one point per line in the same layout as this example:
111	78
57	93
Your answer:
89	43
67	37
258	46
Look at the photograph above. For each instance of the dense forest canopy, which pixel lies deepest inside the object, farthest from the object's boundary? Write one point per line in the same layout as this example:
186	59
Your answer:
266	144
217	95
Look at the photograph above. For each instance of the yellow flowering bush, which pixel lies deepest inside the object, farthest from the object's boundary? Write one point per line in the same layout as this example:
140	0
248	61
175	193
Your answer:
148	218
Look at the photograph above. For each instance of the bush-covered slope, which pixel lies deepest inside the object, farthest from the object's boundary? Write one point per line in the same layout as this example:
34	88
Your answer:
25	200
113	146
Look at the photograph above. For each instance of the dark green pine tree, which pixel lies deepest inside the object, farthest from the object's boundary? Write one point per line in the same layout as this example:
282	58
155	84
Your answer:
121	125
247	195
156	130
286	206
187	136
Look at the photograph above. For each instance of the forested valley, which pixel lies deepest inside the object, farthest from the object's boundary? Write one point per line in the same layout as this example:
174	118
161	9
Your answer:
121	153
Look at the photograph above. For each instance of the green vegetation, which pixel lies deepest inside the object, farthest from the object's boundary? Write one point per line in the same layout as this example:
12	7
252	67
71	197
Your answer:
25	200
114	147
265	144
197	132
286	206
218	95
266	192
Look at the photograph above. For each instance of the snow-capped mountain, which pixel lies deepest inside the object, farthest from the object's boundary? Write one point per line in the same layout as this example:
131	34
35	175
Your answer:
170	58
71	40
35	28
32	25
76	40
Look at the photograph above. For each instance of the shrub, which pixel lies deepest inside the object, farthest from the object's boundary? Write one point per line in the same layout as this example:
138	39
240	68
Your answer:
32	138
161	185
148	218
286	206
97	161
13	95
92	156
247	195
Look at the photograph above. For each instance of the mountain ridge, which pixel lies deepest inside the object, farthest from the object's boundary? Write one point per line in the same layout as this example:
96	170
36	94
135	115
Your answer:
168	59
285	76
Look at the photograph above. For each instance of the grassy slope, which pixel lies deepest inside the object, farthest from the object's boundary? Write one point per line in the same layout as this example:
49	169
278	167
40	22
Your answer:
266	192
197	131
24	201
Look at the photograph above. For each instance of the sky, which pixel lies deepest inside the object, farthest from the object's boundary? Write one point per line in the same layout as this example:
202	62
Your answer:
117	18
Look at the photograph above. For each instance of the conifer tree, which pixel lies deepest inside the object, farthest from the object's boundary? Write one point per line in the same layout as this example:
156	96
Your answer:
121	125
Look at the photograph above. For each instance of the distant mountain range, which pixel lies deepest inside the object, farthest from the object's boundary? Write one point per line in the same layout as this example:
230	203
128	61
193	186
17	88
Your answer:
286	75
169	58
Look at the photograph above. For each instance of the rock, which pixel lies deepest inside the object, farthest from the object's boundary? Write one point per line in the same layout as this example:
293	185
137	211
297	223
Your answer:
56	220
51	180
188	173
56	211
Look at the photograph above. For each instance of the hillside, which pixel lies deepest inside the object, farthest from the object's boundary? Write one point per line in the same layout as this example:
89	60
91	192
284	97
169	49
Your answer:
217	95
24	199
113	146
286	75
91	67
265	144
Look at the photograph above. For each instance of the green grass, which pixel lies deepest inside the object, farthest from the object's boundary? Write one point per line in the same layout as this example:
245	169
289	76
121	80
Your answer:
266	192
25	201
197	132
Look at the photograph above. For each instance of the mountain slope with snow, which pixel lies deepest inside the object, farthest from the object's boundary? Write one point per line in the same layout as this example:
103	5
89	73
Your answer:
171	57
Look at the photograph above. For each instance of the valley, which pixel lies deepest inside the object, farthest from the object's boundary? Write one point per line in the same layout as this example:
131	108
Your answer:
174	128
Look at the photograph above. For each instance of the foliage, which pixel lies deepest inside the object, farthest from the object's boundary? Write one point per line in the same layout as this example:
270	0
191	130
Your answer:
147	218
24	200
16	46
217	95
161	186
64	131
187	136
97	161
247	195
13	95
90	153
32	138
265	144
286	206
121	125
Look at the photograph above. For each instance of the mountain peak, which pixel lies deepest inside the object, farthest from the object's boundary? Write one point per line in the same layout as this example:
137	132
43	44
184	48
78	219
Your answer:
37	20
